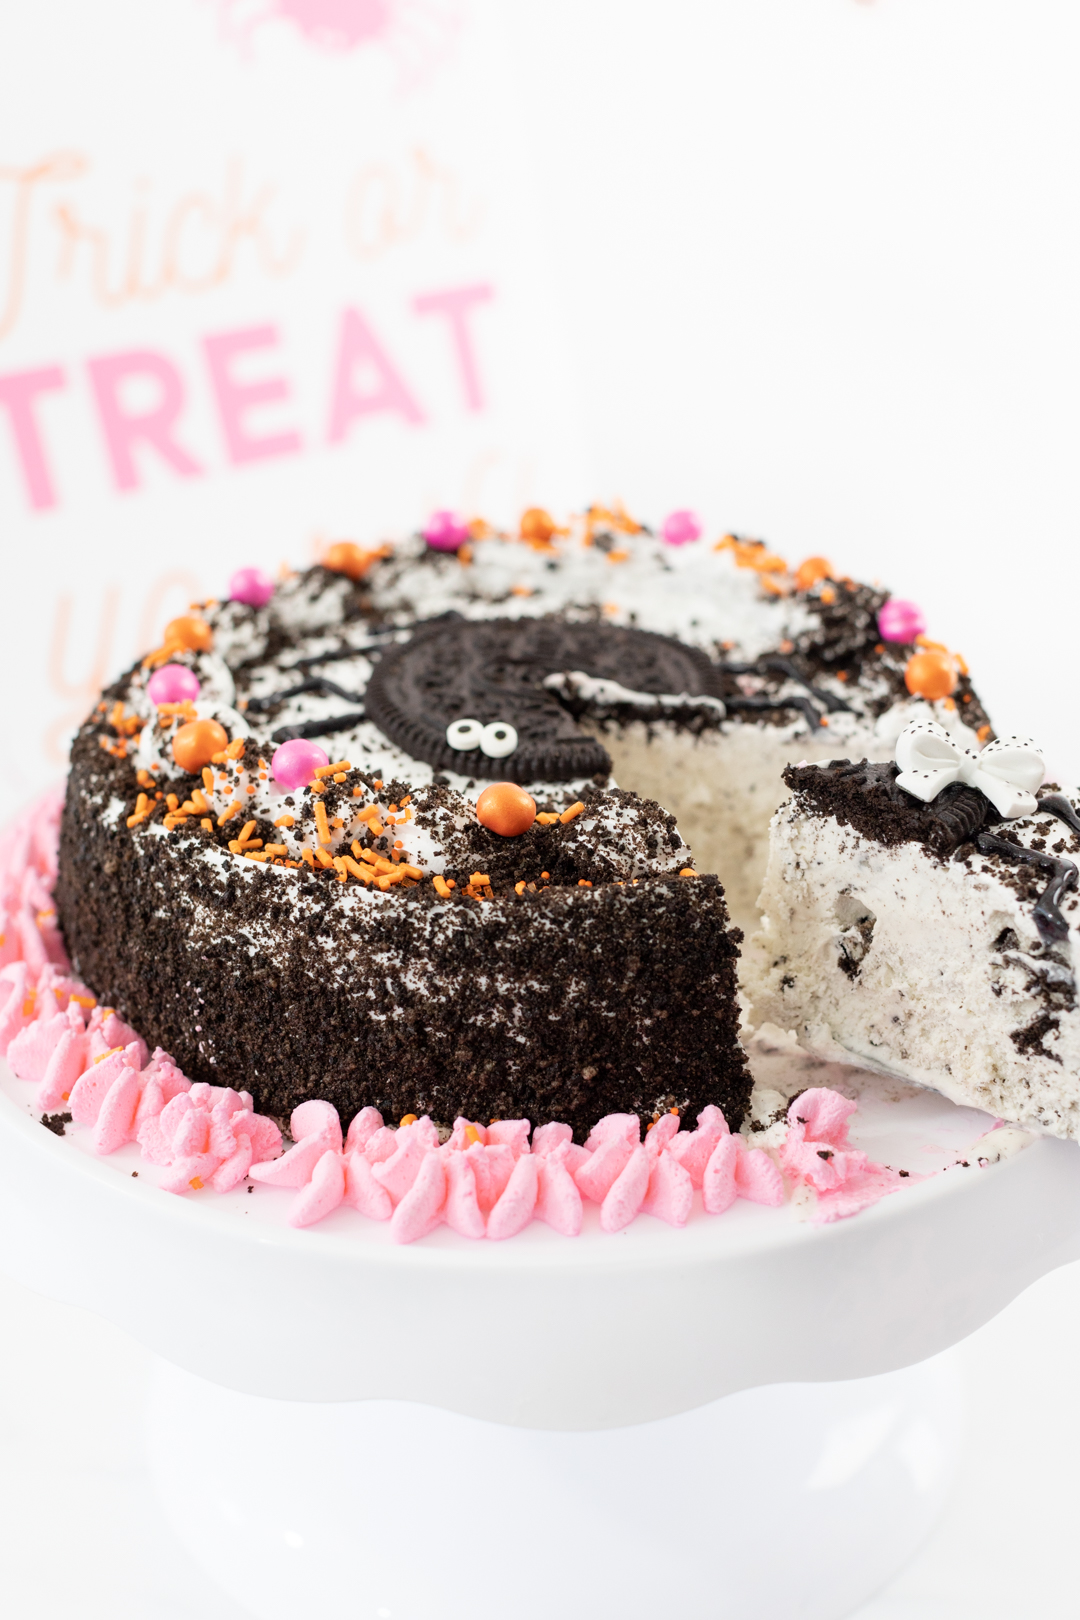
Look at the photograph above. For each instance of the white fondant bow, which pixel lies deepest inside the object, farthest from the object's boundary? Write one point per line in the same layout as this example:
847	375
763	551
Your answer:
1007	771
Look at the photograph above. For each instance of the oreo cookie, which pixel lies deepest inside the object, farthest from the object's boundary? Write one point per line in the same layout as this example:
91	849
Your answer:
493	671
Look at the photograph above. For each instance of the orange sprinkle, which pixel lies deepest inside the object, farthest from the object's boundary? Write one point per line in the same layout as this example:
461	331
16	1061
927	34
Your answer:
358	792
323	858
196	1182
172	801
207	825
308	855
227	815
85	1001
687	871
208	779
145	780
407	1119
340	869
285	821
248	829
375	782
480	880
618	555
235	748
441	887
276	849
240	846
519	888
317	787
368	855
828	596
545	818
521	590
983	733
336	821
321	823
573	810
544	875
251	787
471	1134
357	870
811	571
330	770
406	800
583	883
410	871
247	852
842	675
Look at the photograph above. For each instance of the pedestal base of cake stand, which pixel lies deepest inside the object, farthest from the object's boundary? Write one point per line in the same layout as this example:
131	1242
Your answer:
800	1499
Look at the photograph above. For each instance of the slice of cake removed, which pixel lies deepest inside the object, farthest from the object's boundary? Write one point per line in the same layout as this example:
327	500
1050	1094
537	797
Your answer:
907	935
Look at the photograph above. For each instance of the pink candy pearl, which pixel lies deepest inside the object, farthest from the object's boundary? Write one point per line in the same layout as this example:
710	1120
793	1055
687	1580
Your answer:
295	763
900	621
679	527
252	586
172	683
444	531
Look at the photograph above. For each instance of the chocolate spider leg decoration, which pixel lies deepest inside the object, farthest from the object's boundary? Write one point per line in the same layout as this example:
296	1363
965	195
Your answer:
314	683
803	704
1048	918
784	666
1058	805
332	724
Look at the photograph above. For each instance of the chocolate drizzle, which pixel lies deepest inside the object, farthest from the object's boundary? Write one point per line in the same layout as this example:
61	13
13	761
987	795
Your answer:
1047	913
495	670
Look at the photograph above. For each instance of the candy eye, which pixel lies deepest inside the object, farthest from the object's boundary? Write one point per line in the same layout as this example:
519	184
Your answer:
465	734
498	739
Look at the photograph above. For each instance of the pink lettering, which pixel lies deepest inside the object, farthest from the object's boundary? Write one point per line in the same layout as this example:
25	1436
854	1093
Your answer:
19	393
125	425
236	398
456	304
386	391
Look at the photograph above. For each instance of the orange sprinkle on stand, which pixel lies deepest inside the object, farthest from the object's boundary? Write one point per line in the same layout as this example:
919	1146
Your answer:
442	888
172	801
323	858
235	748
480	880
240	846
358	870
246	832
358	792
410	871
207	825
329	770
339	776
276	849
227	815
321	823
571	811
340	868
208	779
308	855
316	787
251	856
285	821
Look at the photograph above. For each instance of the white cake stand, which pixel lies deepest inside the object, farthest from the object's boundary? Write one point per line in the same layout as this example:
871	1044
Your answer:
509	1431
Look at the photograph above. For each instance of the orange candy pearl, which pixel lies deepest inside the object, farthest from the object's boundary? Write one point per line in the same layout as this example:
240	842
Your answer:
537	525
194	635
809	572
930	675
196	743
506	809
346	558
